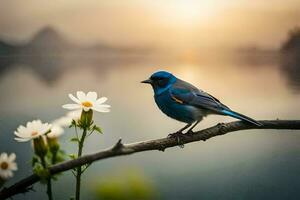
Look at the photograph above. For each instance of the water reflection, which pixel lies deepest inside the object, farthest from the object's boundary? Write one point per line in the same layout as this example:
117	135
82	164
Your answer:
258	92
51	68
290	68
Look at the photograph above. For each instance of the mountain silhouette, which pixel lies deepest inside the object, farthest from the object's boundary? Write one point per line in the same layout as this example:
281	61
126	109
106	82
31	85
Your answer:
49	41
48	36
49	51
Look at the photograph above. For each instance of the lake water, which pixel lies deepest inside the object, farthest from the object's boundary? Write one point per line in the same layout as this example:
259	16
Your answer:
254	164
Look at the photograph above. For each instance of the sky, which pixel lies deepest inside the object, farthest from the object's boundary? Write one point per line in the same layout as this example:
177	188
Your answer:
168	23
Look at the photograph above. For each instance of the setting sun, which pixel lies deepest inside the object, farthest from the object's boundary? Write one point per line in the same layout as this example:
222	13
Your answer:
186	13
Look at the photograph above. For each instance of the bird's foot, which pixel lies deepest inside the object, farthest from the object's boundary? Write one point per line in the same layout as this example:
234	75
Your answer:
222	127
190	132
178	136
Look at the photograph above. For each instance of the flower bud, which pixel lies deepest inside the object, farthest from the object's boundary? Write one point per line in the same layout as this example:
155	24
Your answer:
53	144
86	118
40	147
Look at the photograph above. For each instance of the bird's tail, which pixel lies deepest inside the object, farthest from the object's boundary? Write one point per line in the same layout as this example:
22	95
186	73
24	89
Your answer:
241	117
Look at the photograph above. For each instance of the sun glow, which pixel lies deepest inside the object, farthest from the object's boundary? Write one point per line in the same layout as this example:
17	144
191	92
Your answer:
187	12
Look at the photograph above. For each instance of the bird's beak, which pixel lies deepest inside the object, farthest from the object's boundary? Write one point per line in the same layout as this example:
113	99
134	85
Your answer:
149	81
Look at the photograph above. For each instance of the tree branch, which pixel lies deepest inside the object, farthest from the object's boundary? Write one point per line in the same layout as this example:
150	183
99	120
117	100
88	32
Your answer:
159	144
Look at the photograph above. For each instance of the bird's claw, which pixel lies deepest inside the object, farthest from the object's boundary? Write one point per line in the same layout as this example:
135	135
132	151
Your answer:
222	127
178	135
190	132
175	135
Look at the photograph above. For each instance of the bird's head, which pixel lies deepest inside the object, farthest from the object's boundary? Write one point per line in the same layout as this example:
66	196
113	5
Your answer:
160	81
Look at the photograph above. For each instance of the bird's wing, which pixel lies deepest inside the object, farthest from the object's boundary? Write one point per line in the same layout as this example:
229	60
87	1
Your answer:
185	93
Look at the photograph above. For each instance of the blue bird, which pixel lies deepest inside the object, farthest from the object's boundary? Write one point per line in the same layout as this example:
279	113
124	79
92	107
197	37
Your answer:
184	102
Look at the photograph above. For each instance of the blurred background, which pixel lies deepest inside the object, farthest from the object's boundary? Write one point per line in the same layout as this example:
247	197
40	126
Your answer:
245	53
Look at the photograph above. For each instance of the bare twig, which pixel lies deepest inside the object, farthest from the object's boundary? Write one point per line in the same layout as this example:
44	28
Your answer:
159	144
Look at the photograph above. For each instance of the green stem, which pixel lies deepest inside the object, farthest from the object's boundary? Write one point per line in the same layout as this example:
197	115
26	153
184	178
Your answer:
49	189
49	185
54	157
2	181
79	169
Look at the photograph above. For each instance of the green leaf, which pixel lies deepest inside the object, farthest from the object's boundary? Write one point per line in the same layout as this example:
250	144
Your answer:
97	129
73	156
74	139
60	156
35	160
73	124
43	173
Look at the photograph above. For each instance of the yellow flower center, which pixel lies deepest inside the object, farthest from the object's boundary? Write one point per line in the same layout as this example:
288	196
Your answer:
87	104
34	133
4	165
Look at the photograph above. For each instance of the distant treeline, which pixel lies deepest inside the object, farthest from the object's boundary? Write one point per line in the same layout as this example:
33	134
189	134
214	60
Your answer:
292	44
290	58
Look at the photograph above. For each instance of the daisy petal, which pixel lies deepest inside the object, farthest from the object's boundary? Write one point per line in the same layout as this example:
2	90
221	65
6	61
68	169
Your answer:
2	156
22	139
100	109
12	157
71	106
29	125
63	121
81	96
101	100
19	134
4	174
92	96
56	131
74	114
74	99
13	166
21	129
105	105
44	129
9	174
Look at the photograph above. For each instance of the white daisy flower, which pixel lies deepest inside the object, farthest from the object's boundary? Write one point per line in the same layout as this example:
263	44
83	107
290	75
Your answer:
66	121
56	131
75	114
7	165
32	130
87	101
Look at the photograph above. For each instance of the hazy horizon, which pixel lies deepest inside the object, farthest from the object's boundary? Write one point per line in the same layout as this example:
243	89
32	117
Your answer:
181	24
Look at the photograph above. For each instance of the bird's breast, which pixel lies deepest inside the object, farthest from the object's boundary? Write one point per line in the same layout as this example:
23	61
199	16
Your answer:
178	110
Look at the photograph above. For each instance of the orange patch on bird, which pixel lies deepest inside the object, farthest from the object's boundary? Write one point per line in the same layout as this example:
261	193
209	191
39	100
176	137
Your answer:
177	100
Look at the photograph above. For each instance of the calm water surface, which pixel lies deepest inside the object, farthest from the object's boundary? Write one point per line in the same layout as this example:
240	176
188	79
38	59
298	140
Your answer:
244	165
